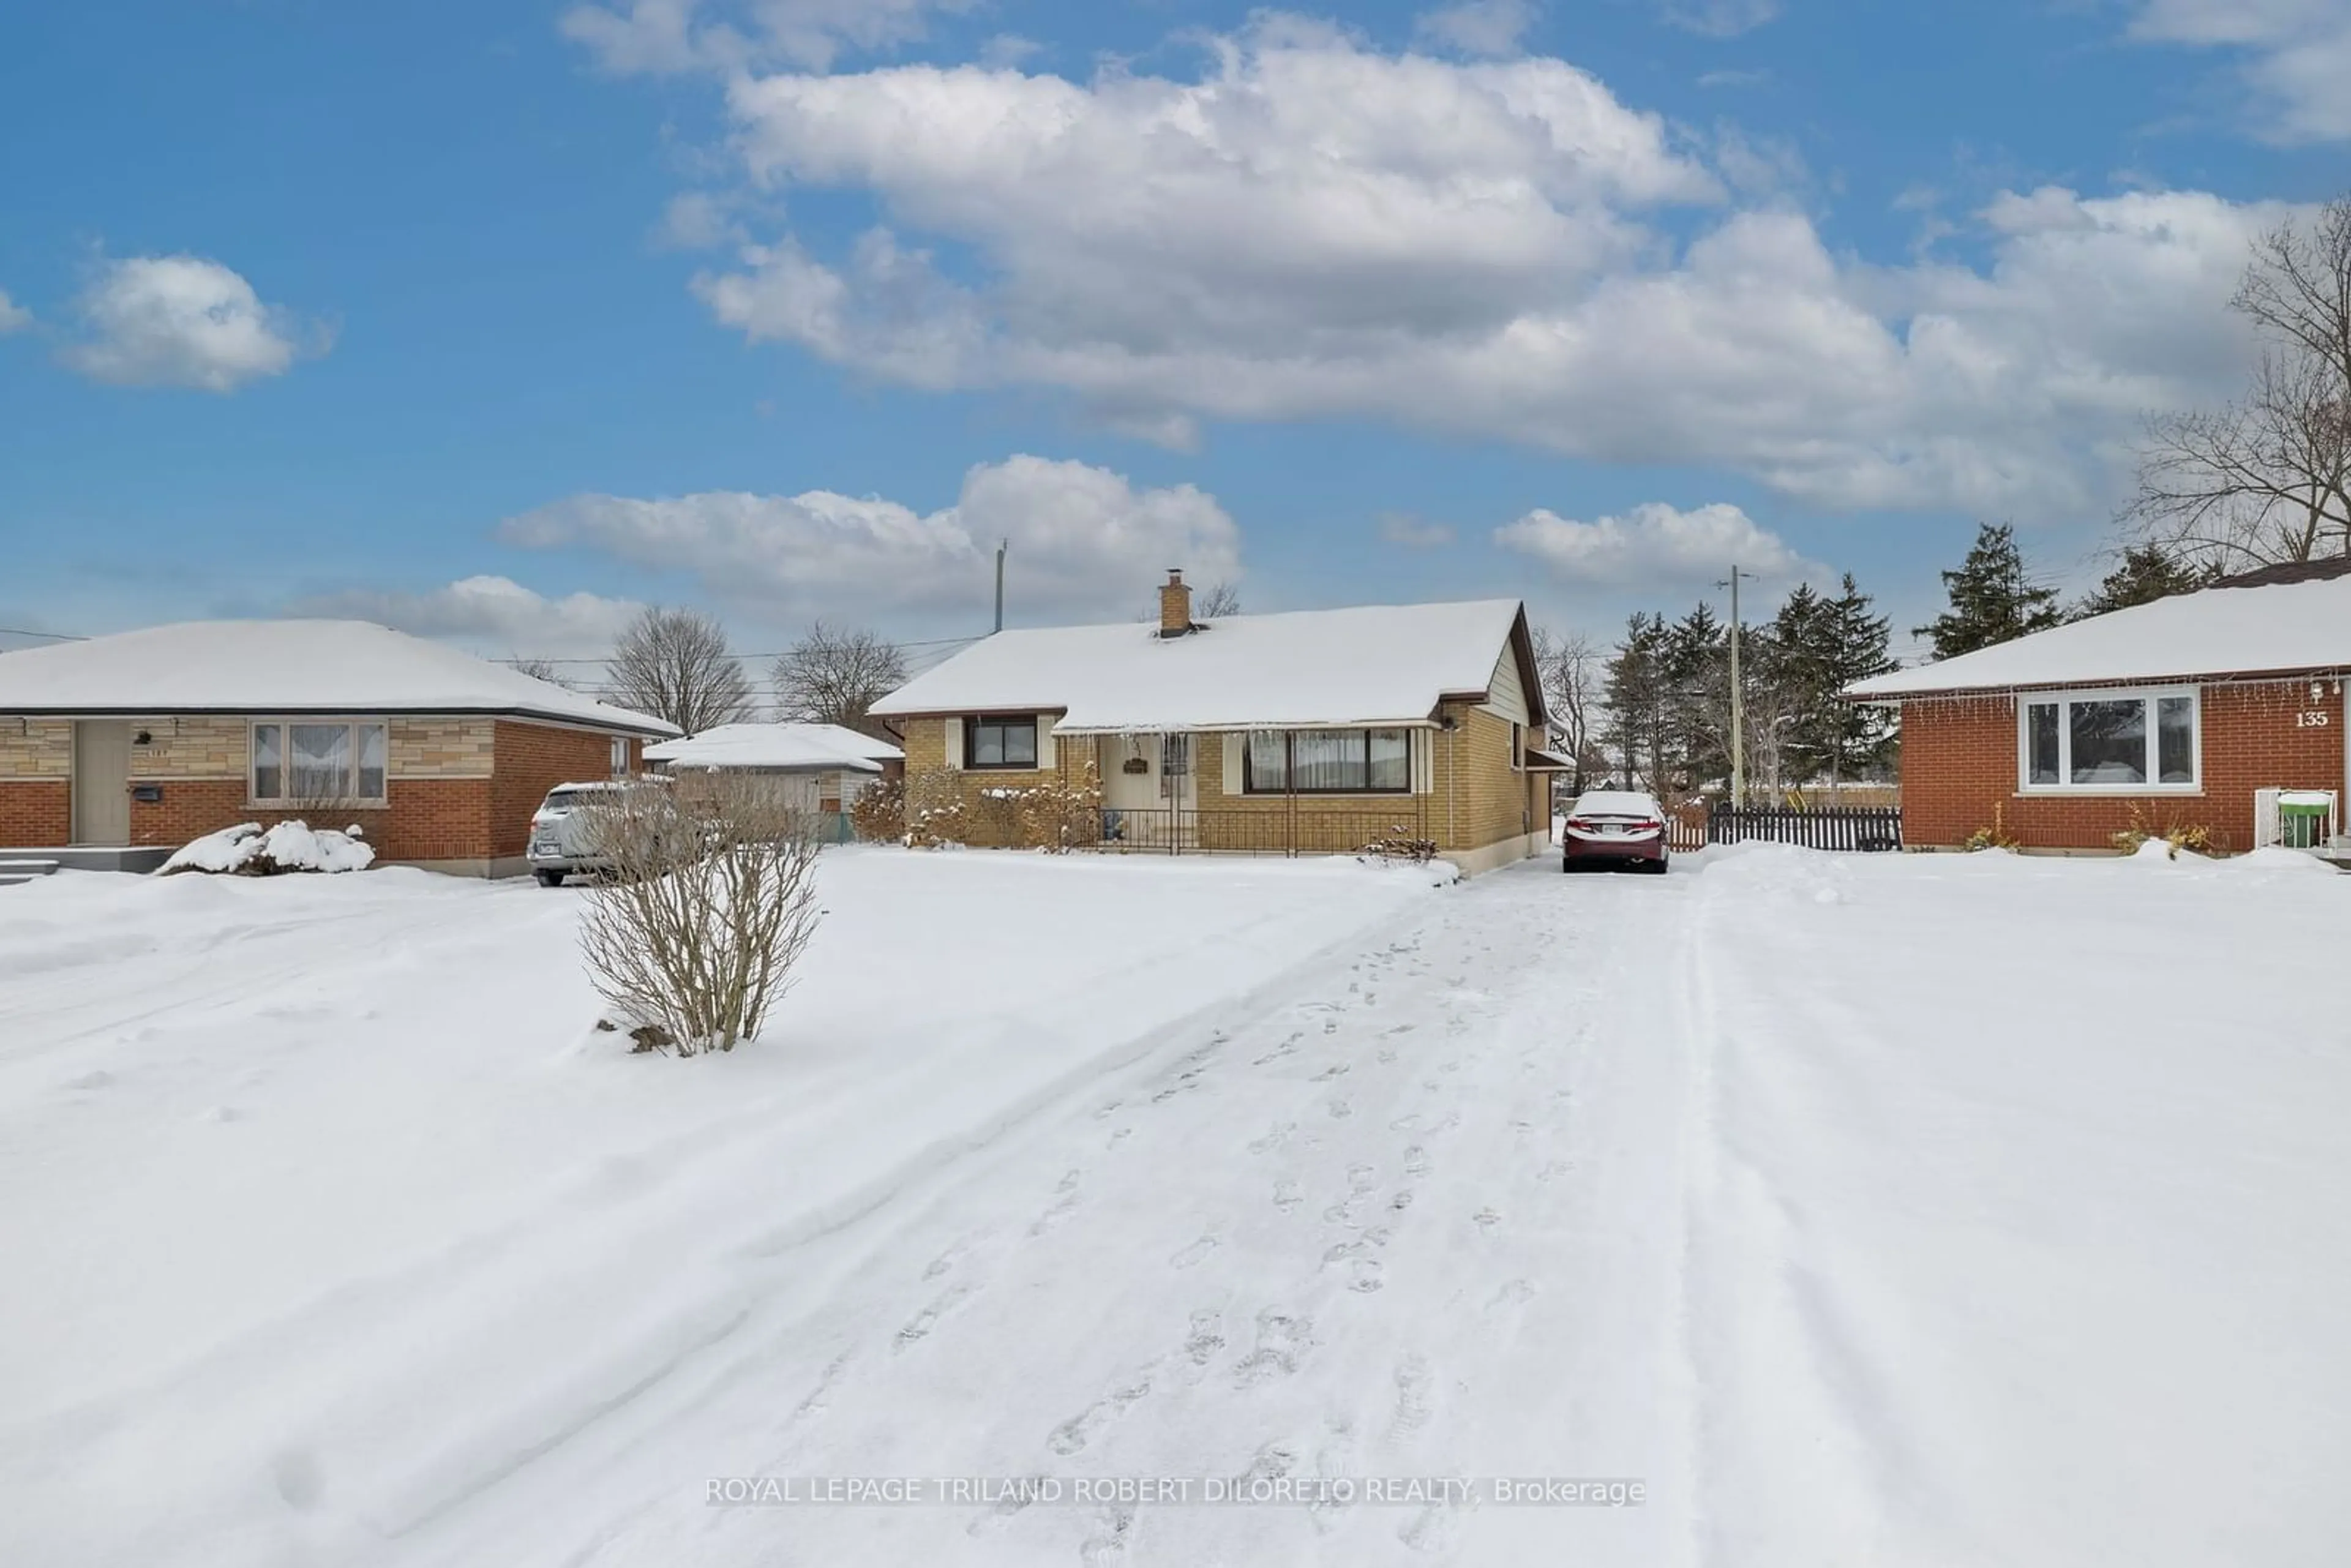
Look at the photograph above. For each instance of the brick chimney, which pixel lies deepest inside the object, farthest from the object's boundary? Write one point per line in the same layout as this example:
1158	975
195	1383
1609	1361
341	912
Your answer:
1175	604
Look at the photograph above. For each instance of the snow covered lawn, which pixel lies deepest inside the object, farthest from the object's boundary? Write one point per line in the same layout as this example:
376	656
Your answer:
1897	1209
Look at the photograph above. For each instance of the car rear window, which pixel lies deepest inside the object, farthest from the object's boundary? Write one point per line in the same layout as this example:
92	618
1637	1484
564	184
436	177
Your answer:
564	799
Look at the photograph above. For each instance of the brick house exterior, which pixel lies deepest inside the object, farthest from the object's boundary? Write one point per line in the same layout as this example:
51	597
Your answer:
1461	763
85	763
2174	714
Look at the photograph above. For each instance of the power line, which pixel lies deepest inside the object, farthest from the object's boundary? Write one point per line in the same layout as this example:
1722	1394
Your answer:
60	636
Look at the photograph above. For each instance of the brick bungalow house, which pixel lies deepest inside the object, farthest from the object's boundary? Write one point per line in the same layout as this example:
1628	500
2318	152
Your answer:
2182	711
141	741
1312	732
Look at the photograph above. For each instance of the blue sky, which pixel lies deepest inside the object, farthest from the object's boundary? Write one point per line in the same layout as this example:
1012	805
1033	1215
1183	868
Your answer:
497	321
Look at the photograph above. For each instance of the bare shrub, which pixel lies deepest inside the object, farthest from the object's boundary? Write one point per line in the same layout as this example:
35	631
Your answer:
1400	844
878	814
935	812
708	905
1061	814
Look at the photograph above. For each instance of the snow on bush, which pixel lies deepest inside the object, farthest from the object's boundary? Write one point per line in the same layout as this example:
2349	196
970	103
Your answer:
250	850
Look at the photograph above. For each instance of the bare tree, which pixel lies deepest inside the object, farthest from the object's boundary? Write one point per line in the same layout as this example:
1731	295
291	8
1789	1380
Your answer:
835	677
710	903
1573	672
540	670
675	664
2267	478
1219	599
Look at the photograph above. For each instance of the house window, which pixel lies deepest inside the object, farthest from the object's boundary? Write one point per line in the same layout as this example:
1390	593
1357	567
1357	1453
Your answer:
619	756
999	742
312	761
2125	740
1327	762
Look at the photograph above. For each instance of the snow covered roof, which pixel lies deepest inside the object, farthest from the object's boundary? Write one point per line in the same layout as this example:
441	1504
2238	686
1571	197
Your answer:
1375	665
820	747
2272	627
286	668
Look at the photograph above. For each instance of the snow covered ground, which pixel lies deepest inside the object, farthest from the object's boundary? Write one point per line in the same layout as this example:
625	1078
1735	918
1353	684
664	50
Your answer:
1890	1209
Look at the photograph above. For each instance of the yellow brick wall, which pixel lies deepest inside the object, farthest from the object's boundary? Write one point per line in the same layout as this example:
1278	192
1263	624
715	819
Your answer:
35	749
441	748
1476	797
188	747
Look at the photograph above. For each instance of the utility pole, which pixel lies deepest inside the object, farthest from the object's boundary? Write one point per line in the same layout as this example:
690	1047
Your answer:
1737	703
1002	546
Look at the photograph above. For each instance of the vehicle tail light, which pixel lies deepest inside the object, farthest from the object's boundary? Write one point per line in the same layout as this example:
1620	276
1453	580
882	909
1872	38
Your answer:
1581	825
1649	827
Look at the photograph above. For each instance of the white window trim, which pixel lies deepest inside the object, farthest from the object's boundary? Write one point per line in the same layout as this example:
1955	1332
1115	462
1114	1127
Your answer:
285	762
2027	701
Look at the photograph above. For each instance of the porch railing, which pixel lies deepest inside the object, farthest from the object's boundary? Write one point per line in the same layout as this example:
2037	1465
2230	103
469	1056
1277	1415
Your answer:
1273	829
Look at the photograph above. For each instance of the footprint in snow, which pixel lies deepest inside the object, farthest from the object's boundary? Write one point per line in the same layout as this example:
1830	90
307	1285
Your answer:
1193	1253
1512	1293
1118	1137
1416	1161
1208	1336
1412	1391
1363	1276
1336	1069
98	1078
1487	1219
1401	1201
1287	1195
1340	1110
1280	1133
1339	1213
1281	1340
1107	1544
918	1328
1073	1433
1361	1179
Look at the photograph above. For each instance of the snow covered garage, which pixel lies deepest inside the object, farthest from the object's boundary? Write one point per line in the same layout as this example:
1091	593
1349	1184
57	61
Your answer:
147	739
2187	711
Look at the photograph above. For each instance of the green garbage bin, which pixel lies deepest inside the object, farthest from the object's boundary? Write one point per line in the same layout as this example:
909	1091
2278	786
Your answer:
2302	818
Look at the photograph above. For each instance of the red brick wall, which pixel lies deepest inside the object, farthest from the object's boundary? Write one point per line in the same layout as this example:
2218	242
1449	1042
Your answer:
428	819
1960	763
36	813
528	760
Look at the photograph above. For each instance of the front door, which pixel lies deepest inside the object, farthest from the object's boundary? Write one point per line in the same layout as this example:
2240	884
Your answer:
102	782
1179	788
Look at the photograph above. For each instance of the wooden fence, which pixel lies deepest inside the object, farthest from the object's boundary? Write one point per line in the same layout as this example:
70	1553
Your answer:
1837	828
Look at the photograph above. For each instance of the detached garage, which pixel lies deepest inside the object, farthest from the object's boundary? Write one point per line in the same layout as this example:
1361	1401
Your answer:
2222	708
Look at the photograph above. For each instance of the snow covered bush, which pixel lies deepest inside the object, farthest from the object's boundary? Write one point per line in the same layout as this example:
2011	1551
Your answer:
1062	814
878	814
935	813
1400	844
2175	836
250	850
1994	836
707	907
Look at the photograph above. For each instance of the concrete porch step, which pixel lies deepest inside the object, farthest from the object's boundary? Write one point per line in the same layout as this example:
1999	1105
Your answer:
90	857
24	869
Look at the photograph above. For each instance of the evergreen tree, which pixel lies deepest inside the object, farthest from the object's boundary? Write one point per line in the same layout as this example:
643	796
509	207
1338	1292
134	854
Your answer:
1634	692
1861	647
1991	598
1799	667
1693	745
2147	572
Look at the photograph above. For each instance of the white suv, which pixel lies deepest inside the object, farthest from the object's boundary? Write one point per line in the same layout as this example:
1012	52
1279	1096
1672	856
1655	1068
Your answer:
557	836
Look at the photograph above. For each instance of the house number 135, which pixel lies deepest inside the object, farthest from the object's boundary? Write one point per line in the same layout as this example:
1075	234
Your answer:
2309	719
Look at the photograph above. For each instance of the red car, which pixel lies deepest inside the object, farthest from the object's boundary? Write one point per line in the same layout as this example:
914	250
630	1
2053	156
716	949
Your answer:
1614	827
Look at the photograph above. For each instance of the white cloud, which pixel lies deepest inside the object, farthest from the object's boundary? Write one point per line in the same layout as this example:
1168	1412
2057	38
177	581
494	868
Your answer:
1651	544
180	320
1477	27
12	315
698	220
495	614
670	36
1314	230
1084	542
1412	531
2297	56
1719	18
